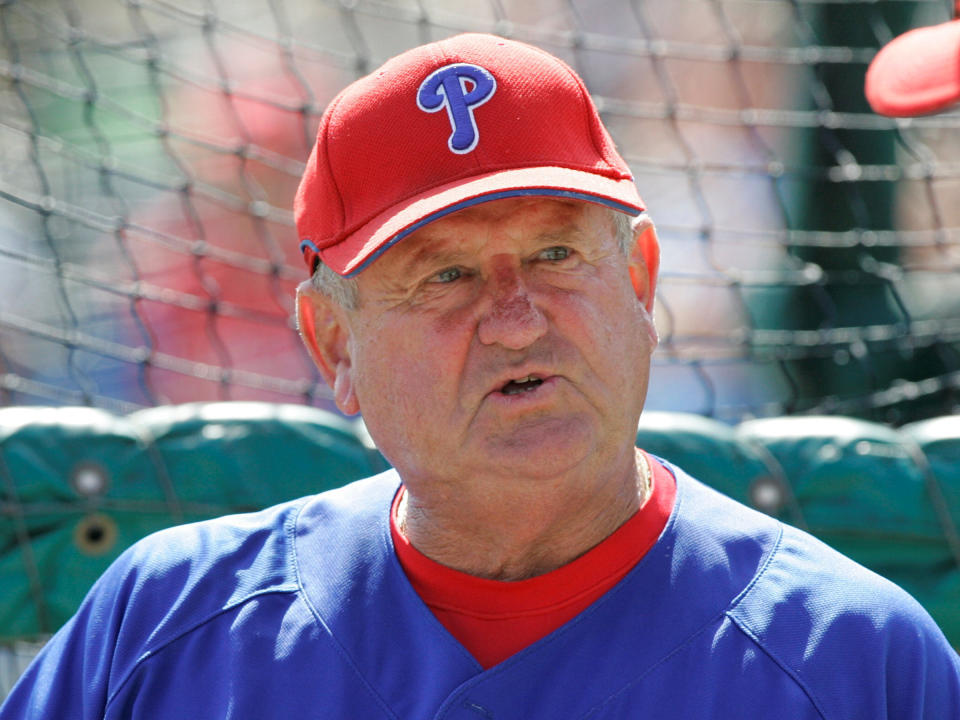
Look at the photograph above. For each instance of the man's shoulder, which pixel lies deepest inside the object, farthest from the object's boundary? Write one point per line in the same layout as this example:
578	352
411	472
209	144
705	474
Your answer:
798	575
718	532
828	622
179	577
260	542
795	565
808	587
188	553
184	591
837	628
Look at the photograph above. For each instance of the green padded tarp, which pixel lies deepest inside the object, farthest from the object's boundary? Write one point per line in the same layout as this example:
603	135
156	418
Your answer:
939	590
870	492
711	452
78	485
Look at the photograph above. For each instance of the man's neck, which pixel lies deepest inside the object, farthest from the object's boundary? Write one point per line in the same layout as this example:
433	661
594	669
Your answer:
517	530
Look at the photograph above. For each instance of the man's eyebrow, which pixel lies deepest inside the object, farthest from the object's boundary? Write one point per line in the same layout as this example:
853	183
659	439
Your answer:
428	255
564	234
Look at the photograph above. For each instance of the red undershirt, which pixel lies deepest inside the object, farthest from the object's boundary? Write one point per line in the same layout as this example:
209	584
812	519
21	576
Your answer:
494	619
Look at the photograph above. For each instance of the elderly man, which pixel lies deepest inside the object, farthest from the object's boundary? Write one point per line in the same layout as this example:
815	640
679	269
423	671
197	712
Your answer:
481	295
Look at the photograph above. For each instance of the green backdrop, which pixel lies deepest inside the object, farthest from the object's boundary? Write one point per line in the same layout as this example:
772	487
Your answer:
78	485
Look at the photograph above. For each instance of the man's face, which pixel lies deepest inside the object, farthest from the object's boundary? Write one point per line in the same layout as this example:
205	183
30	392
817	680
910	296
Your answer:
506	338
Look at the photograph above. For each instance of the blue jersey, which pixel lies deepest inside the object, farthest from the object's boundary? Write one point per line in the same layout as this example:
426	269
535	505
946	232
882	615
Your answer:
302	611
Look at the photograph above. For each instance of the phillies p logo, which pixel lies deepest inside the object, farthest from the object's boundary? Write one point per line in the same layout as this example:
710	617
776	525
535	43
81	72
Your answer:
459	88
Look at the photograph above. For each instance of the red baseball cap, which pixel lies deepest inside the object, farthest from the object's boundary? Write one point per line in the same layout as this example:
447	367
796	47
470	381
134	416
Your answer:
444	126
917	73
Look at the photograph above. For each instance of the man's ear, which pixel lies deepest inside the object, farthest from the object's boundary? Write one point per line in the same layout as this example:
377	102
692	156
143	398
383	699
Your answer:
645	261
323	329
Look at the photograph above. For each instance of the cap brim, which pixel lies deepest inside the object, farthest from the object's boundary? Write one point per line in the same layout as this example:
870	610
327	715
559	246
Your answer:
387	229
917	73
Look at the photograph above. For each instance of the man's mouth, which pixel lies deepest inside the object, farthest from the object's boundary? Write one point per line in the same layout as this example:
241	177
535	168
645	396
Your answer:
521	385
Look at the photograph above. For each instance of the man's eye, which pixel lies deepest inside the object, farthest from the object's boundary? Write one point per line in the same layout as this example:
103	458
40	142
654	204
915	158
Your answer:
555	253
447	276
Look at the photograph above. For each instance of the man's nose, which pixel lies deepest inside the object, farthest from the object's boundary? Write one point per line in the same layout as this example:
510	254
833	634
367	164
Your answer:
510	317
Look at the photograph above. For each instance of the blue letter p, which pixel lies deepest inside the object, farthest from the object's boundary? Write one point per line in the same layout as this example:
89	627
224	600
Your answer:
448	87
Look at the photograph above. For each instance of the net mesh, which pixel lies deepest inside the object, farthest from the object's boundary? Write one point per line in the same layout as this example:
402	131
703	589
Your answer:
150	149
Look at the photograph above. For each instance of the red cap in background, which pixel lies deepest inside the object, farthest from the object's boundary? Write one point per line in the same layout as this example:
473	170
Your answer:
917	73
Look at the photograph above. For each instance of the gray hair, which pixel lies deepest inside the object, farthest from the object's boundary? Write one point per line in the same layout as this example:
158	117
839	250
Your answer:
344	291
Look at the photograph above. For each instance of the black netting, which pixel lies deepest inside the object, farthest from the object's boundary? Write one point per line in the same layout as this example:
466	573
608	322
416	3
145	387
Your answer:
149	152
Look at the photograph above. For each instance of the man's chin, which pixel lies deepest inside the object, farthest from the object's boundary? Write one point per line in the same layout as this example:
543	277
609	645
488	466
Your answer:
546	447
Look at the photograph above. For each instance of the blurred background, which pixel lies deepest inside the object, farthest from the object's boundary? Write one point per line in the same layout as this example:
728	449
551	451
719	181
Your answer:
150	149
149	154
